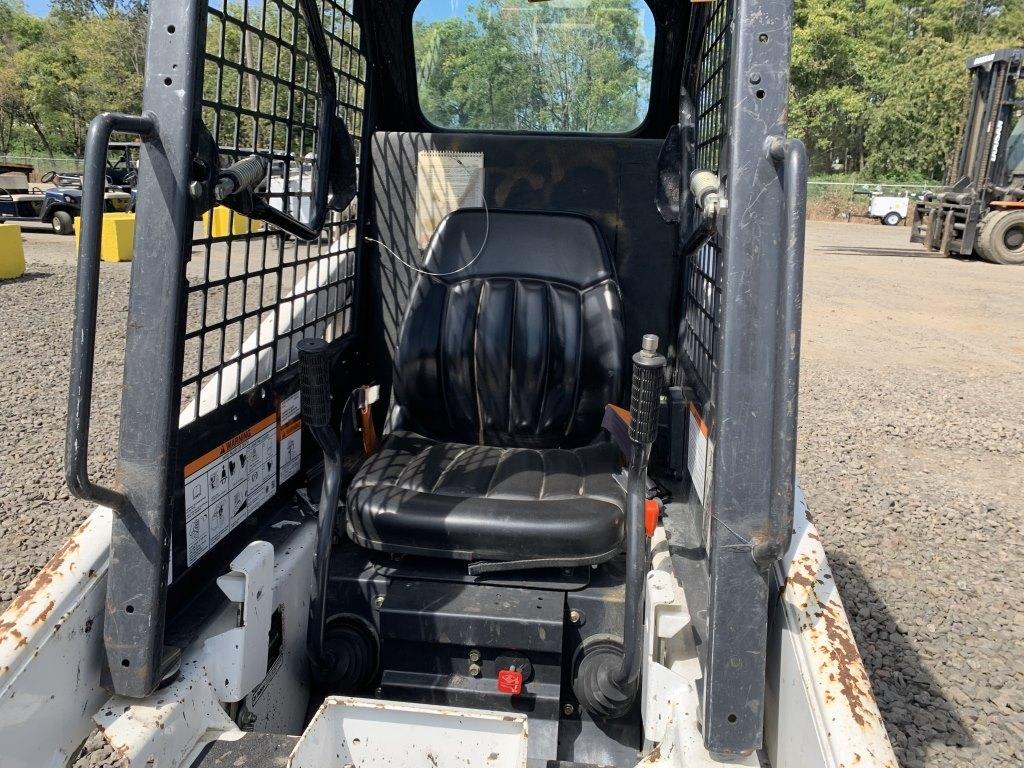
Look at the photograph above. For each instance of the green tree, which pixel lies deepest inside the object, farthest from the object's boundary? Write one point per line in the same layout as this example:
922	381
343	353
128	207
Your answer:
57	73
879	85
512	64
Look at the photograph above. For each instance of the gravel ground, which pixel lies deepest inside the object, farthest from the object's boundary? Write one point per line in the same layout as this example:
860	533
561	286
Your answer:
36	512
911	455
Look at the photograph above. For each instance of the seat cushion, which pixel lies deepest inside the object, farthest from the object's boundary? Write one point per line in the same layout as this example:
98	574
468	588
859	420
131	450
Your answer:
519	347
472	502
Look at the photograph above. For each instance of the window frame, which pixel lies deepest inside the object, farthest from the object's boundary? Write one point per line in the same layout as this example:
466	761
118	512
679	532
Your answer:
657	52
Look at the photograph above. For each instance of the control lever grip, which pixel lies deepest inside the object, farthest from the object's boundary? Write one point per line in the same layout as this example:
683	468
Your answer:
315	382
648	378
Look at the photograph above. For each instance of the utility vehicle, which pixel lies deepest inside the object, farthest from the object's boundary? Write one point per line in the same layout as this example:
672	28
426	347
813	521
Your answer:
485	455
981	210
56	205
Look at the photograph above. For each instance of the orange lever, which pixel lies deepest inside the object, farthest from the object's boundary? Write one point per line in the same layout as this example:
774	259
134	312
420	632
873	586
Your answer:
652	511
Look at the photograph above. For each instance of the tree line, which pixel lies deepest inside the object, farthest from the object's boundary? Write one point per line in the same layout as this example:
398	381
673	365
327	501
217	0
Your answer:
877	86
58	72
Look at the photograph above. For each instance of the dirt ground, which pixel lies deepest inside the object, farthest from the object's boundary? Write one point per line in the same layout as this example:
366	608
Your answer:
911	454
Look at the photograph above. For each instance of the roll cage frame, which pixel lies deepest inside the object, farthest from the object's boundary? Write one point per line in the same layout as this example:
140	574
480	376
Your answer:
721	73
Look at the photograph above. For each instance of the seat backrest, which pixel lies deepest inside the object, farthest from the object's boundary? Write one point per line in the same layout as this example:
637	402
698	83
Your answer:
524	347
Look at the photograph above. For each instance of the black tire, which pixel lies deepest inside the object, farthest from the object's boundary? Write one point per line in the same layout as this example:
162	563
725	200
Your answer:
892	219
63	223
1001	237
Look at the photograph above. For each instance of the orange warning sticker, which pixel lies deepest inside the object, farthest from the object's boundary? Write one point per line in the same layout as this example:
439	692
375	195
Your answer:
210	456
289	437
226	485
699	454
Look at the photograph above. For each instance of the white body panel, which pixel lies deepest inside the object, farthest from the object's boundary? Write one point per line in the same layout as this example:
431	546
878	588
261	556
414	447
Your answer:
51	653
377	734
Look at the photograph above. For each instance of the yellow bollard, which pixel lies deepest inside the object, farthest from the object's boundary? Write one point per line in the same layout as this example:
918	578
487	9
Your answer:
118	236
12	252
227	223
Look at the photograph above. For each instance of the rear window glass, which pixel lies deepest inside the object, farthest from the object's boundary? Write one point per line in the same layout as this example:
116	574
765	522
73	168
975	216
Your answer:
579	66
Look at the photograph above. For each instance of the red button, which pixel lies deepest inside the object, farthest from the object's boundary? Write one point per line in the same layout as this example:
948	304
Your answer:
510	681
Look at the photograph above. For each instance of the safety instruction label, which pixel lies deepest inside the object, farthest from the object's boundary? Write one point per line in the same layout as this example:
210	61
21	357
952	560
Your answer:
289	437
699	454
226	485
445	182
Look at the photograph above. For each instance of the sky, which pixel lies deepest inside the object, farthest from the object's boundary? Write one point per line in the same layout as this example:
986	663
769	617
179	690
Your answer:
433	10
429	10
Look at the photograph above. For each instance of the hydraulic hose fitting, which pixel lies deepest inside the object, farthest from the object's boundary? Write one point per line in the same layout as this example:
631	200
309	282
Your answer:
707	192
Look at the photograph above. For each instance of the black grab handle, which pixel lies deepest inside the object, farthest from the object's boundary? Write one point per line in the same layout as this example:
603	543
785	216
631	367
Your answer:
83	343
791	155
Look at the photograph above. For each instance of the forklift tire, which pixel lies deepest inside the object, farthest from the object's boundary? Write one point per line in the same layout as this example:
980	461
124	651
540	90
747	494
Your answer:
62	223
892	219
1001	238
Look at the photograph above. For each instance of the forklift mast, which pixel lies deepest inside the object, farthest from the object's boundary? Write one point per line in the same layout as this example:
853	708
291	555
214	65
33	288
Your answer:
980	211
988	119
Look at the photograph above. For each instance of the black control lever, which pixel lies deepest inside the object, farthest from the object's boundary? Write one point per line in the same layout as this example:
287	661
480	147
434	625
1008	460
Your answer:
315	385
608	679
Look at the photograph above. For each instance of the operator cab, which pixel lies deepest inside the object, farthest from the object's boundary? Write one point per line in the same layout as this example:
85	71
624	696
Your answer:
430	414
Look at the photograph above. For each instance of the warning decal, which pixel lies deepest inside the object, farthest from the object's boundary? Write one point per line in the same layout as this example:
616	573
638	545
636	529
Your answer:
289	437
226	485
699	454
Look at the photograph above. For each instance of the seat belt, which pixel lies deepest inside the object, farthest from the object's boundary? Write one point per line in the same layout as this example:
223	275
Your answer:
364	397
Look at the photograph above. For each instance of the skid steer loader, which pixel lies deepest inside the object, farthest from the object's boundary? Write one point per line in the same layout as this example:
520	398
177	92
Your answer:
479	449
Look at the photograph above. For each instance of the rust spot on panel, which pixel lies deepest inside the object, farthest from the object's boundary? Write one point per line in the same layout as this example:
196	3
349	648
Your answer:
44	614
64	558
853	683
831	641
652	757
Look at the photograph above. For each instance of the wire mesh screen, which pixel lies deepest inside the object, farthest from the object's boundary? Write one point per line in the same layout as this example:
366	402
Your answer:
253	292
711	93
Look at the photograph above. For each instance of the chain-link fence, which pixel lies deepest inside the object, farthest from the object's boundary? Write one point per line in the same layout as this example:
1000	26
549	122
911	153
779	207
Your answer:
41	165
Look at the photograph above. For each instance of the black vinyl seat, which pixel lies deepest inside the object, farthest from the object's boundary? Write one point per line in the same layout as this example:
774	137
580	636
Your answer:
503	370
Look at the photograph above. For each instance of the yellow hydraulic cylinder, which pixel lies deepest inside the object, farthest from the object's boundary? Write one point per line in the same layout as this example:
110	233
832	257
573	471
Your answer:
118	236
12	252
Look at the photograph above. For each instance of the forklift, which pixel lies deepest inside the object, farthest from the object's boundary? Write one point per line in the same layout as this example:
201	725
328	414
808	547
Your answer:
480	451
980	211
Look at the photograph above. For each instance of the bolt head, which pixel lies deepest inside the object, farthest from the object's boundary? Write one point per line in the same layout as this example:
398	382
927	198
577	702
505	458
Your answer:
568	710
378	601
575	616
474	656
474	670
